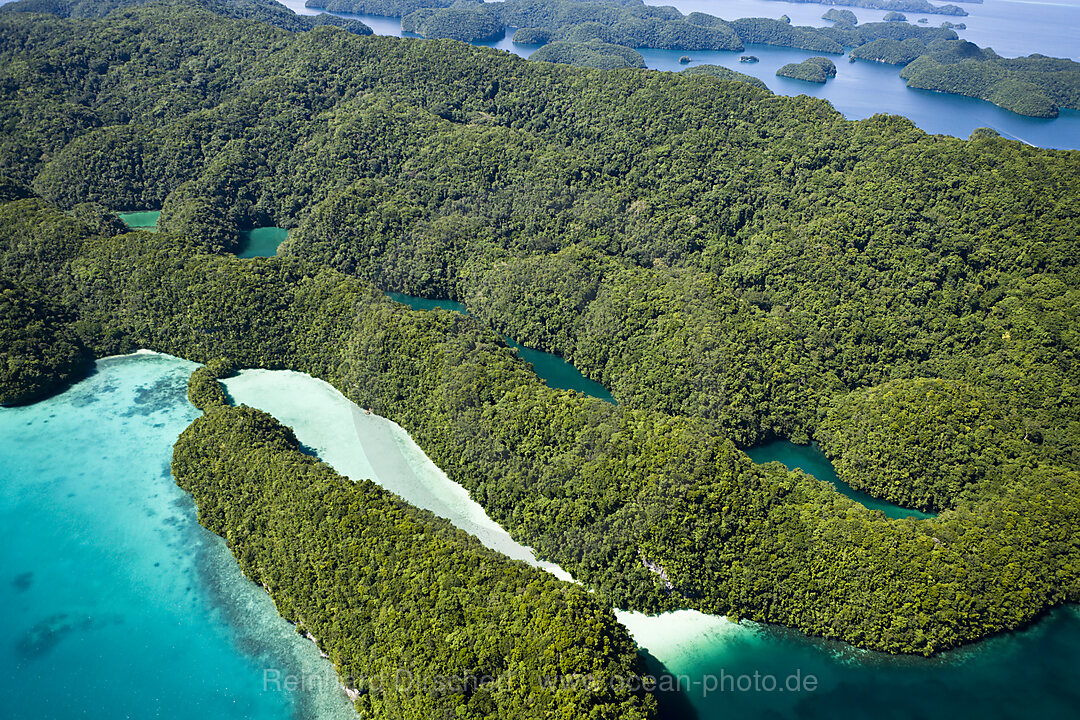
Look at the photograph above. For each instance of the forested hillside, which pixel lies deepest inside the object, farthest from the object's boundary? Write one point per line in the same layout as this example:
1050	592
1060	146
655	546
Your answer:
772	253
732	264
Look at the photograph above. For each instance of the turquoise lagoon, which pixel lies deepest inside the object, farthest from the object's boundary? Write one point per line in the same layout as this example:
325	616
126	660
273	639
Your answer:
261	242
116	602
141	219
257	242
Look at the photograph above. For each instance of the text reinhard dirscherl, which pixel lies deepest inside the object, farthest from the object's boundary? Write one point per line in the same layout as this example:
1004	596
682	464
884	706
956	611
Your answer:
407	682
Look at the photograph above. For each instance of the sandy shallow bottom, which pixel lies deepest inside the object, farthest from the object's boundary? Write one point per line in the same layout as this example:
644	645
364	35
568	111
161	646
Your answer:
116	602
360	445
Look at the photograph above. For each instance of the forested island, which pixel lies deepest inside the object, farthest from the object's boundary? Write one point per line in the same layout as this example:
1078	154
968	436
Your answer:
590	54
840	16
726	74
467	22
888	50
919	6
815	69
733	265
1035	85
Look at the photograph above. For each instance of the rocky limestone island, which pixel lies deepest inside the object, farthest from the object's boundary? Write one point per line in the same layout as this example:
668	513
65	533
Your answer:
815	69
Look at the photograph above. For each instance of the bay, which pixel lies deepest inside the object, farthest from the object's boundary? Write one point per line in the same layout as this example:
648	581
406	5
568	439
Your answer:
749	670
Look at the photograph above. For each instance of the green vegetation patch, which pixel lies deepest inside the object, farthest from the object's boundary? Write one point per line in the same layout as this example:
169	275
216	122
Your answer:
38	348
815	69
918	443
203	390
465	21
888	50
592	54
725	74
1035	85
775	32
840	16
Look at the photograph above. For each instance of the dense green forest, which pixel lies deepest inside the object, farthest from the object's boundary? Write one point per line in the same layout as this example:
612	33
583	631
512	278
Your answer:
725	74
623	23
814	69
1035	85
466	21
267	11
416	615
732	264
841	16
37	344
888	50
